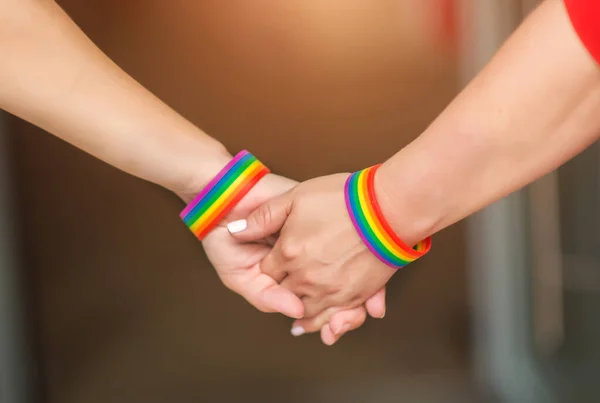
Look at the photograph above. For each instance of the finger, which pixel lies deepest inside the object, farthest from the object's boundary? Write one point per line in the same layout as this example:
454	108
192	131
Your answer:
314	324
270	240
341	323
265	294
314	305
351	294
376	304
344	321
278	299
263	222
327	336
291	283
341	319
273	265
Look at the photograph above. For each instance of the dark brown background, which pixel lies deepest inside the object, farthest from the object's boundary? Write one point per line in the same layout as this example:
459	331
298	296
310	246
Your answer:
127	307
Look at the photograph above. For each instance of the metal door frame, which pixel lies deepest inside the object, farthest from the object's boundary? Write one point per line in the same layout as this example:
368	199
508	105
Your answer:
510	327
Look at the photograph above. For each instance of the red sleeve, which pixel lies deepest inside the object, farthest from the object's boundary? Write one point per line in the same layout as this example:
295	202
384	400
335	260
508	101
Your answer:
585	17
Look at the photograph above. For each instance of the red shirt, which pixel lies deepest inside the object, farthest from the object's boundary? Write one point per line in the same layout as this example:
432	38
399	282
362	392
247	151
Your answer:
585	16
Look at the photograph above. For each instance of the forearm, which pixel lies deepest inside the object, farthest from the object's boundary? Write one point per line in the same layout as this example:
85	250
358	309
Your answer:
53	76
531	109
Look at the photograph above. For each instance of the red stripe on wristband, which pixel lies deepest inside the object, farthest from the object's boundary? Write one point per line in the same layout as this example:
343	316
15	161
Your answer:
223	193
371	225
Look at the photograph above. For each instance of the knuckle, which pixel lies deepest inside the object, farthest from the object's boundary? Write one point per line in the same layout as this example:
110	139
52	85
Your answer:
263	216
311	278
290	249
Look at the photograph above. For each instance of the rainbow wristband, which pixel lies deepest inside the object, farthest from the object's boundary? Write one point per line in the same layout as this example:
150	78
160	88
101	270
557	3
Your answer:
223	193
371	225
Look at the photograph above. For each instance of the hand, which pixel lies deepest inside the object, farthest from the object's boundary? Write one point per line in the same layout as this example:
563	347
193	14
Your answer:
237	264
319	256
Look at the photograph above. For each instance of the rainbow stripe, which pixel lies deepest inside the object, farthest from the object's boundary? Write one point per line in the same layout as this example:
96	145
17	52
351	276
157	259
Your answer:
372	227
223	193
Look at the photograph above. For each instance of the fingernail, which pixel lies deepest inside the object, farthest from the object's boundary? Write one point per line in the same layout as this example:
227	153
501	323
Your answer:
383	316
297	331
237	226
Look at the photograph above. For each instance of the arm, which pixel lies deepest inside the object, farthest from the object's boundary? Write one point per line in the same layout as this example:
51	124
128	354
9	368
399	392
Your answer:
53	76
531	109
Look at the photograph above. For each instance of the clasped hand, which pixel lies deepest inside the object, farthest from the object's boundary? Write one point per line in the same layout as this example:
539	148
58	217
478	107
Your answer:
294	250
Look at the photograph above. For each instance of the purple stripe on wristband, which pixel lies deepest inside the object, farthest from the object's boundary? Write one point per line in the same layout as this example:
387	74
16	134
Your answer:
212	183
357	227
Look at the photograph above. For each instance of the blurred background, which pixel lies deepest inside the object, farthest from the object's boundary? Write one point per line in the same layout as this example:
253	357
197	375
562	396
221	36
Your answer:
104	296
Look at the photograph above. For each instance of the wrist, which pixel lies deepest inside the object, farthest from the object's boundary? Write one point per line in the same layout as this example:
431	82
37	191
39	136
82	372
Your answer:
197	172
407	203
215	202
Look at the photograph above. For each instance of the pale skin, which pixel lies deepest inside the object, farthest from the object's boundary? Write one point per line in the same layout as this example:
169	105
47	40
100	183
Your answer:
53	76
531	109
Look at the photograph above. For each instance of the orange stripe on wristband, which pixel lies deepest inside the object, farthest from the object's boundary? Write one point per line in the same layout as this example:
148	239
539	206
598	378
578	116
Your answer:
371	225
222	194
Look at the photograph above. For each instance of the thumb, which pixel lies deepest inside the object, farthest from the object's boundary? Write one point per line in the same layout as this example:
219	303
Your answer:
278	299
263	222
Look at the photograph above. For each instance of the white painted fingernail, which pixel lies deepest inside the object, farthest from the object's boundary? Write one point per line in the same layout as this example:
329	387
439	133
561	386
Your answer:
237	226
297	331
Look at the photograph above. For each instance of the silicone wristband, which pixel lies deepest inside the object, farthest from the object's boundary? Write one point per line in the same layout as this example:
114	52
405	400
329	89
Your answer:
372	227
223	193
